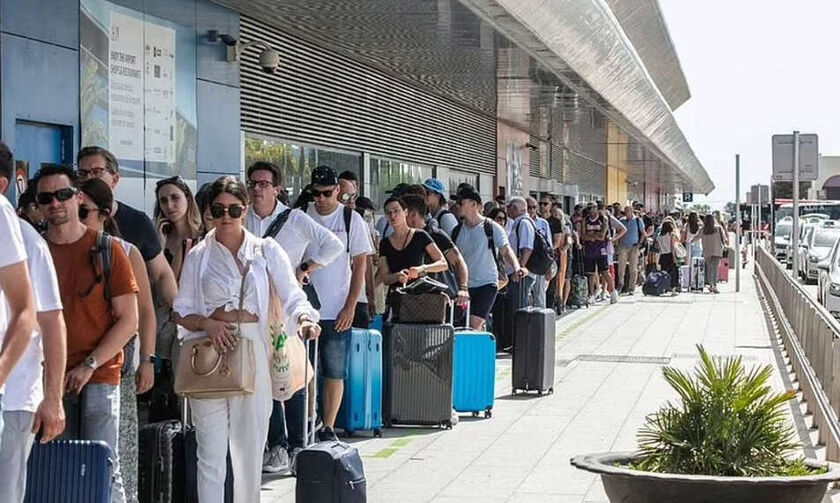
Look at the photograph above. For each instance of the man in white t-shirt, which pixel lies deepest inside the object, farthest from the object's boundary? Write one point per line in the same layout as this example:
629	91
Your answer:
294	230
17	304
541	225
30	405
338	285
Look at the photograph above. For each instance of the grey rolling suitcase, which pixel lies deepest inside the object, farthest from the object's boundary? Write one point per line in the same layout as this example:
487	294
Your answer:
533	350
418	363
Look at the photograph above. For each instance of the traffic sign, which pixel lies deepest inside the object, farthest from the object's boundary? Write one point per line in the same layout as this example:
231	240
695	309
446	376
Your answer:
688	197
783	157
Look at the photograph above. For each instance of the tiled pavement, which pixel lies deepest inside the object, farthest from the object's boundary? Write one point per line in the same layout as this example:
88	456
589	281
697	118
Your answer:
608	378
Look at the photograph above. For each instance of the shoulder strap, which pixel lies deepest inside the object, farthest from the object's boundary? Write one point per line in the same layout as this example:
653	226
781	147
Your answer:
456	232
488	231
441	214
103	252
277	224
348	216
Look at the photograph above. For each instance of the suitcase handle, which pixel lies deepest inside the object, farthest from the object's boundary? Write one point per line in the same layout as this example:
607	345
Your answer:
309	424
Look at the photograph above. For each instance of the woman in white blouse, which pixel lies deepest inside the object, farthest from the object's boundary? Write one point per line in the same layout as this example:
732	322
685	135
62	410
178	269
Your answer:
208	303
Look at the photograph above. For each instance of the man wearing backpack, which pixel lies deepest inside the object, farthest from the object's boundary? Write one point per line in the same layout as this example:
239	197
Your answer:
338	285
294	230
521	238
100	311
482	242
628	250
436	201
541	280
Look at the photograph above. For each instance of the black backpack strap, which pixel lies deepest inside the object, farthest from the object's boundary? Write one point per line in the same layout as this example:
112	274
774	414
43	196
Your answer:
456	232
277	224
348	216
488	231
103	252
441	214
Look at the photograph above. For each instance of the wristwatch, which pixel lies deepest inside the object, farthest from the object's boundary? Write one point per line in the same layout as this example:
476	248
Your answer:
90	362
147	358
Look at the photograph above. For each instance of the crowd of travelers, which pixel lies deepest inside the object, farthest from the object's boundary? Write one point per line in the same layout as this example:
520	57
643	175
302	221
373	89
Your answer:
98	298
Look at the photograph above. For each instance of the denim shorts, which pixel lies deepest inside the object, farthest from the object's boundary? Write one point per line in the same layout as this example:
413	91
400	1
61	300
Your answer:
332	347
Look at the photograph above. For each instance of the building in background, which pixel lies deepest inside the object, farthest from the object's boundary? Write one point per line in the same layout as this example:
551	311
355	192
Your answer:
572	98
827	186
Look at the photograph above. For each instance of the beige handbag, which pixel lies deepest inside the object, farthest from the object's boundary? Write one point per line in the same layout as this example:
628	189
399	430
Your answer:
205	373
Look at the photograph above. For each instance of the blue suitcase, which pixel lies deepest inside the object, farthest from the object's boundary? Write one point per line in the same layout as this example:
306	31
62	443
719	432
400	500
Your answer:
361	406
69	471
377	323
474	372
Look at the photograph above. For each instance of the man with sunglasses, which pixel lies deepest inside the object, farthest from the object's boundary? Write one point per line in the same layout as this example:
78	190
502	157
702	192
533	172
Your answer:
295	231
348	188
339	285
135	226
31	404
99	324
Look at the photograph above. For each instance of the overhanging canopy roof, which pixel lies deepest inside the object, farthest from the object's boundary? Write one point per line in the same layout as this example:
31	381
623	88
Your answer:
584	44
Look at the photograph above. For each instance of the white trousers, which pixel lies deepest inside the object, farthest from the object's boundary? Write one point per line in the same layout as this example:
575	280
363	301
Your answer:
16	444
240	422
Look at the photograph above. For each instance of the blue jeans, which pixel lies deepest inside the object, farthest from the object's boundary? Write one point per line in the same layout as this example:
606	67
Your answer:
94	414
285	428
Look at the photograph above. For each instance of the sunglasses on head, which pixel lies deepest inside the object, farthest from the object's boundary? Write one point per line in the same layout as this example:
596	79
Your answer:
61	195
175	180
219	210
347	197
322	193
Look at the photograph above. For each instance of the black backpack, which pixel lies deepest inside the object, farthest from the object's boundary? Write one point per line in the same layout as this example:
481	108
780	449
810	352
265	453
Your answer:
542	256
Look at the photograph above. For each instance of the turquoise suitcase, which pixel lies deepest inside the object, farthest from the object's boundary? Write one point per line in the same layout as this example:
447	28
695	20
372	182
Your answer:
361	405
474	372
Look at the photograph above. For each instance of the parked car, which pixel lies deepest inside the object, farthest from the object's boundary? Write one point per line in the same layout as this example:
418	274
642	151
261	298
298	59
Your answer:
817	247
828	292
789	251
781	237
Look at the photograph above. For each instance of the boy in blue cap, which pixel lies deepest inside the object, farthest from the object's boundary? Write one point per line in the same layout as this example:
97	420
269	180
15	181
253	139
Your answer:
436	201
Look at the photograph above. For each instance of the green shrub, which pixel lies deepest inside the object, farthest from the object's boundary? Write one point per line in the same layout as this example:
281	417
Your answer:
729	423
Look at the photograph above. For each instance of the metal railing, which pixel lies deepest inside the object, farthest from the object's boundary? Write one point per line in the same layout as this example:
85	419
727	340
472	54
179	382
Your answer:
812	339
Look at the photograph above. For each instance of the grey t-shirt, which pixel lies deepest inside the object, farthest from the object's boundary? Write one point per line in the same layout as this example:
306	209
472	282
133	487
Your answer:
472	242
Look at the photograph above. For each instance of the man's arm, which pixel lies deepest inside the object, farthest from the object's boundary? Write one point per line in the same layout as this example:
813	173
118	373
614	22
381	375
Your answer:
50	413
163	279
147	322
345	317
15	284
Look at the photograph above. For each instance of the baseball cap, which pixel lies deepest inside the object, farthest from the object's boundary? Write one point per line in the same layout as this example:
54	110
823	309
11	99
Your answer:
324	175
468	192
436	186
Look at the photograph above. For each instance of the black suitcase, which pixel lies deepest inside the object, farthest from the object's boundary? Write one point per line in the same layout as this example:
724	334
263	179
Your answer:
69	471
168	464
533	350
418	375
327	472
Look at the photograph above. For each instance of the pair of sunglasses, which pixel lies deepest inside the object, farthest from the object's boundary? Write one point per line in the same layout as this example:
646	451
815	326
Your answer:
322	193
346	198
45	198
219	210
84	211
175	180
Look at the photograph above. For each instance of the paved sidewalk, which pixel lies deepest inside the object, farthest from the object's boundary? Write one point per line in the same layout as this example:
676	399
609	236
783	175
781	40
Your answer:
608	378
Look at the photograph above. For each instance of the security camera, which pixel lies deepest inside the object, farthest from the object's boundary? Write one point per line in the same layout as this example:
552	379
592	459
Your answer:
269	60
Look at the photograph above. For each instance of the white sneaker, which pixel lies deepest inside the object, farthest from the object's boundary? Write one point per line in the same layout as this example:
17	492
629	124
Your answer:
293	461
613	297
278	461
591	300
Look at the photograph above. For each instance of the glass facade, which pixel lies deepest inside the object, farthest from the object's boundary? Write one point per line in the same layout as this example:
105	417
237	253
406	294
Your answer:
296	161
458	177
385	174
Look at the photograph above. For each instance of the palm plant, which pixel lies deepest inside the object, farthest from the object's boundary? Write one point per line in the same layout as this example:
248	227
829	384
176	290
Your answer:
729	423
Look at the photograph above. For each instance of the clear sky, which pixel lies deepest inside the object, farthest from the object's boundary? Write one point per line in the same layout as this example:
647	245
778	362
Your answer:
755	68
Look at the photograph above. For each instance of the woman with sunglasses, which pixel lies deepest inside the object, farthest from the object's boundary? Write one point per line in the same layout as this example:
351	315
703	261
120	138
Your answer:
224	295
95	213
404	251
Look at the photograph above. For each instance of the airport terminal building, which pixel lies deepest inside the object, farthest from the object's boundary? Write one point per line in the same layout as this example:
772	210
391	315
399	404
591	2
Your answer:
568	97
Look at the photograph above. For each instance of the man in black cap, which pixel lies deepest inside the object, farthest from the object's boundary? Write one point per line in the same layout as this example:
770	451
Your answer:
338	285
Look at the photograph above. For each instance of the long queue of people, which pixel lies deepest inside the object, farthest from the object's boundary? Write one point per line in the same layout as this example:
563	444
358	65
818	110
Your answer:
99	298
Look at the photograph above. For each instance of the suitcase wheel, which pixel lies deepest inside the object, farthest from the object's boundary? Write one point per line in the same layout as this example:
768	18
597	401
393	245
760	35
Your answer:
488	413
475	414
539	392
447	425
377	433
550	391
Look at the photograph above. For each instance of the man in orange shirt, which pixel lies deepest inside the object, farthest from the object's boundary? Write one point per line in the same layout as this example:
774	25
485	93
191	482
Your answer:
100	320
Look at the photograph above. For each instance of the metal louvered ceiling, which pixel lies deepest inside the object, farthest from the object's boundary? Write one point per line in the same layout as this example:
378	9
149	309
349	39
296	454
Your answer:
322	97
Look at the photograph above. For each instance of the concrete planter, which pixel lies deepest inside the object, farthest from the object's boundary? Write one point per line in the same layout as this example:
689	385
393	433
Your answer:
632	486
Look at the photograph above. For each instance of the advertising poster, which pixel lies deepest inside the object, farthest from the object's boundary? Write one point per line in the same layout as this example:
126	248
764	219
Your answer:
138	91
125	87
